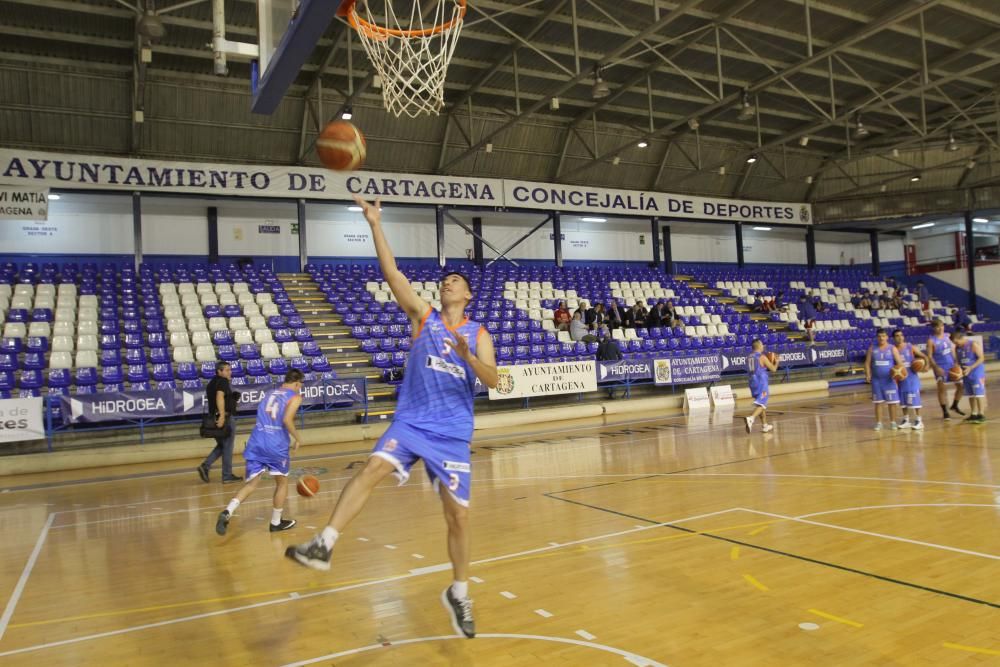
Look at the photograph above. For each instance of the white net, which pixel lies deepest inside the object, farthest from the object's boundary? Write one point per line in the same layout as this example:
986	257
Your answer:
410	51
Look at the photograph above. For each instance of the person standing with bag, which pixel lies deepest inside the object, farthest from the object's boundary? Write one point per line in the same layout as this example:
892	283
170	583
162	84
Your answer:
221	401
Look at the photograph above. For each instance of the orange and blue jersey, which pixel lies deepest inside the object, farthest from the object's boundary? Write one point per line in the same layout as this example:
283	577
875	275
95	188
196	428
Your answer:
759	379
267	448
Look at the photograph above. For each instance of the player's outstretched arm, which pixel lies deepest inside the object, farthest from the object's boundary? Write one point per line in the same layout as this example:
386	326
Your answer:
288	420
412	305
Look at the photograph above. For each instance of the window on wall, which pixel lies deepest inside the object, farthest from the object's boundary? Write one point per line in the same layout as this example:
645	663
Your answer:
340	230
97	225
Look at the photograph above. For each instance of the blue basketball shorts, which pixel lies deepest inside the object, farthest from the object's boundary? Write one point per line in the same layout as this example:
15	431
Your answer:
975	385
446	460
943	375
884	390
257	464
760	394
909	391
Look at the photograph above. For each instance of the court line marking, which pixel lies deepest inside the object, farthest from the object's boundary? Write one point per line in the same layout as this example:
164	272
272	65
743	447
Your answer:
837	619
634	658
544	614
285	599
878	507
508	595
586	635
15	596
894	538
734	553
753	581
971	649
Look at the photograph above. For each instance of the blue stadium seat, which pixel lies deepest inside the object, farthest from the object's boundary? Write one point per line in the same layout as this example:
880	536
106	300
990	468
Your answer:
321	364
207	370
227	353
249	351
30	385
112	378
59	379
303	335
311	349
222	337
8	362
111	357
301	364
277	366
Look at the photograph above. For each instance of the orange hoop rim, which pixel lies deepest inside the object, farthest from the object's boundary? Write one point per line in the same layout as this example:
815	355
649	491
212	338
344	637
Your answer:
348	11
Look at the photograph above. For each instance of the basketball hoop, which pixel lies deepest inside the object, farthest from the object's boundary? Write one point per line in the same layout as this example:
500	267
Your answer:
411	55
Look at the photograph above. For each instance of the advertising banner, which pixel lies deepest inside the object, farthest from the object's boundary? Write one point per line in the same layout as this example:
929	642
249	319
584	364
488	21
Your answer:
625	369
688	370
27	169
21	419
568	377
23	202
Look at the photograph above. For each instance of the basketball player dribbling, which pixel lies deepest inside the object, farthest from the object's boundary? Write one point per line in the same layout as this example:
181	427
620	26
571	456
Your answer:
433	420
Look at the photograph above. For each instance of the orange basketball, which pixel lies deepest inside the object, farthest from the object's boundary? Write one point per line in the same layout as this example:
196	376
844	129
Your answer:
955	373
899	373
918	365
341	146
307	486
772	357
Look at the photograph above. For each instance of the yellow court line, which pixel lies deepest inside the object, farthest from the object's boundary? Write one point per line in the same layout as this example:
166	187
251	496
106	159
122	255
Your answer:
734	553
756	584
140	610
838	619
971	649
755	531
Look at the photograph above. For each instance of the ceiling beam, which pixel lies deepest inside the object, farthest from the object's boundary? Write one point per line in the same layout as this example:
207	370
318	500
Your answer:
619	50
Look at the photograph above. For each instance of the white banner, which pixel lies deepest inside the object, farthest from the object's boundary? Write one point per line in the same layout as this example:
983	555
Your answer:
23	202
583	199
36	169
569	377
21	419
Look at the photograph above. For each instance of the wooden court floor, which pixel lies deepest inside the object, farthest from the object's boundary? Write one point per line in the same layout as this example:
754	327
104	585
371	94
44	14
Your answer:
648	542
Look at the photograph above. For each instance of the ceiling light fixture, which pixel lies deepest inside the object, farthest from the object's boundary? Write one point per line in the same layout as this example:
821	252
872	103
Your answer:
747	110
952	144
616	161
980	218
971	164
600	89
642	144
762	229
54	197
915	178
593	219
355	209
804	141
860	131
924	225
693	124
751	159
347	113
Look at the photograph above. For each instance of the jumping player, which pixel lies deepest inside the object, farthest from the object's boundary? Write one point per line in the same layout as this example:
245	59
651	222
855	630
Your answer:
970	357
433	421
879	361
267	450
909	389
941	352
758	366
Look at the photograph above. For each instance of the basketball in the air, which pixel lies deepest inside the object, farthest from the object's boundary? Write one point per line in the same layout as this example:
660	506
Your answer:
955	373
899	373
341	146
919	365
307	486
773	358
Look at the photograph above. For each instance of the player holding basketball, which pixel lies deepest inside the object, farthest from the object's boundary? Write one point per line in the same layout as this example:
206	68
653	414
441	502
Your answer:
433	420
758	366
909	387
879	361
970	358
267	450
941	352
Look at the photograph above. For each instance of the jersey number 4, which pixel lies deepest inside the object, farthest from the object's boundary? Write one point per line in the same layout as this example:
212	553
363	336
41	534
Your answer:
272	407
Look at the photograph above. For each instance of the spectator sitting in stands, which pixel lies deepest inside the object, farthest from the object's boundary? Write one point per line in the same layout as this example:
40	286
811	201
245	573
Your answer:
578	329
962	319
865	302
779	301
596	317
672	319
581	310
656	315
615	315
561	318
629	318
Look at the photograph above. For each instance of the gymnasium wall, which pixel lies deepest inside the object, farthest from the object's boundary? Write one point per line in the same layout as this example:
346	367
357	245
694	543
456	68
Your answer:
953	286
98	227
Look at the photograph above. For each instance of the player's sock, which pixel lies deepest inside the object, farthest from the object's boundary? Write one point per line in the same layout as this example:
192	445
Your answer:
275	516
233	504
460	589
329	536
